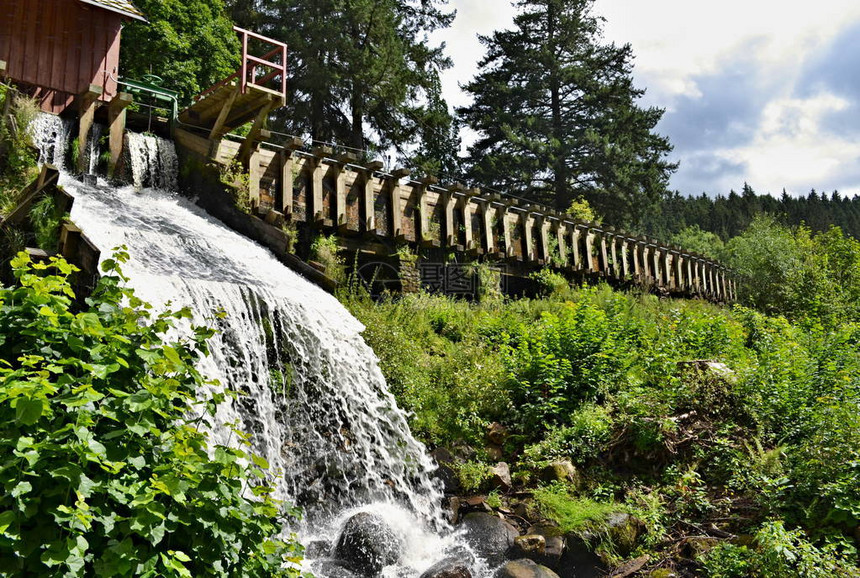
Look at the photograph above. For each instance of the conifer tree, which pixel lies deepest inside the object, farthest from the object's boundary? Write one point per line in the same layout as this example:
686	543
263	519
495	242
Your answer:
362	73
557	115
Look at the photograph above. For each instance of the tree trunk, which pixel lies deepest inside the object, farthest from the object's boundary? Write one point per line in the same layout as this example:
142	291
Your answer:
559	164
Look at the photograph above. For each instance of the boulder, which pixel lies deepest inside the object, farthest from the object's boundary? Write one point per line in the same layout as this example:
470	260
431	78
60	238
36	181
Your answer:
489	536
624	531
559	471
451	567
500	477
497	434
367	544
554	548
318	549
529	546
579	559
331	569
524	568
445	472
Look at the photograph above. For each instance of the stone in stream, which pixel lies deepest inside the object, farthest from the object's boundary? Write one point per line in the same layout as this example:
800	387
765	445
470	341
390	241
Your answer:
367	544
490	536
551	555
451	567
500	477
524	568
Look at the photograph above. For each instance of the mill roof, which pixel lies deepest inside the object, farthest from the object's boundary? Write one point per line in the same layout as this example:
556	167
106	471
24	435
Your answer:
124	7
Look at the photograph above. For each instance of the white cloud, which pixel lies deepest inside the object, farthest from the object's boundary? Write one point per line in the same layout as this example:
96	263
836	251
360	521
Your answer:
682	48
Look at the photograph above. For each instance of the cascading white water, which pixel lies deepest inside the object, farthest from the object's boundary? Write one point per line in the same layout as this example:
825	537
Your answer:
154	162
51	136
315	401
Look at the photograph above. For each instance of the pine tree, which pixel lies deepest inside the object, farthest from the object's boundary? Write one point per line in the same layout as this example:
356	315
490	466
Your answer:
362	73
557	115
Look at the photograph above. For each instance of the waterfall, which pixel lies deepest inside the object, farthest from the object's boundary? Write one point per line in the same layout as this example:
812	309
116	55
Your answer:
154	163
312	396
51	136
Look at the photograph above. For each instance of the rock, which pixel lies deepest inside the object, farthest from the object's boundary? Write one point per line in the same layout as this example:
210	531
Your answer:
451	567
367	544
624	531
631	567
445	471
453	509
579	560
524	568
489	536
500	476
695	546
554	541
331	569
497	434
529	546
521	509
494	452
559	471
318	549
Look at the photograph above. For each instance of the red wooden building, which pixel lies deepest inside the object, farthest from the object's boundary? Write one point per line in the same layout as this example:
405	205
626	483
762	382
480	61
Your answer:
58	49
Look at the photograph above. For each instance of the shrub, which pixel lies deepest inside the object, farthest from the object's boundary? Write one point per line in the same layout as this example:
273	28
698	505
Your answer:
106	470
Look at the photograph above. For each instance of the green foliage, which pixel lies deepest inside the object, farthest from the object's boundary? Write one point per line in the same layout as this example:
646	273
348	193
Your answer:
238	181
694	239
583	440
190	44
572	514
105	470
473	475
46	220
550	283
580	209
558	118
777	553
324	250
17	155
562	361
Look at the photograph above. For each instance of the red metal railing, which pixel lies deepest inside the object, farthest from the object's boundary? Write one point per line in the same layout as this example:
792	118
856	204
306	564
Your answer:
251	65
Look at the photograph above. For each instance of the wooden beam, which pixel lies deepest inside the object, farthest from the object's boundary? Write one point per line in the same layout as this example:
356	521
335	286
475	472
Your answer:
116	122
368	199
218	129
87	104
254	135
254	176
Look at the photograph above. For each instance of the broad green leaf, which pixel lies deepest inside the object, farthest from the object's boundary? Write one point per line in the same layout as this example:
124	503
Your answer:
28	411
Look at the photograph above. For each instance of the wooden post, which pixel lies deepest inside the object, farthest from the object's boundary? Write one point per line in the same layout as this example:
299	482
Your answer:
468	208
449	202
506	230
544	239
625	258
397	206
613	255
526	221
254	175
604	257
367	200
288	163
561	232
320	170
116	122
425	235
218	128
257	132
487	210
575	247
589	250
87	103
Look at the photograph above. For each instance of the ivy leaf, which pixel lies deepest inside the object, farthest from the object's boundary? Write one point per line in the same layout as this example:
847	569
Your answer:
28	411
21	489
6	520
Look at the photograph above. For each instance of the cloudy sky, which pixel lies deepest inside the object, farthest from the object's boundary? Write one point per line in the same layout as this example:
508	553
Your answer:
762	91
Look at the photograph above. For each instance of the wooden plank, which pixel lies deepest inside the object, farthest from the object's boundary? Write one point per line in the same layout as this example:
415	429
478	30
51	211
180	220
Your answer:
87	111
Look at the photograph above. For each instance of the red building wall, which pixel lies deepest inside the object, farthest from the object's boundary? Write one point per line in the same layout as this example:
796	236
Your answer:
59	48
